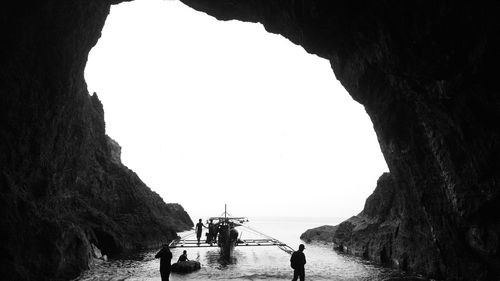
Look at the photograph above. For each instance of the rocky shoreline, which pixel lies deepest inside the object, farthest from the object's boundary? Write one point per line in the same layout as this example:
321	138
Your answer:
376	234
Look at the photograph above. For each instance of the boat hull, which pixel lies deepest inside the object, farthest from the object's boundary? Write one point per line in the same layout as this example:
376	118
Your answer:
227	241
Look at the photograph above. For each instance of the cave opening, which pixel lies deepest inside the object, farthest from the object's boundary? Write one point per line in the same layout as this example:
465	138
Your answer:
424	72
106	243
206	107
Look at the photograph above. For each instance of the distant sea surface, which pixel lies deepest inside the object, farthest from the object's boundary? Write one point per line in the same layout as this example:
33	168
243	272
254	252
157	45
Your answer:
251	263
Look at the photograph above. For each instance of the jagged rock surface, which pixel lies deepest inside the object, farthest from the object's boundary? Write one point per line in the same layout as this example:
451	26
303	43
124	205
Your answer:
371	233
426	73
377	234
62	184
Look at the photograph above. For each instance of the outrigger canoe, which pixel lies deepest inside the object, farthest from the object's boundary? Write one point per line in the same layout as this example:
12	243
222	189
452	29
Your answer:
227	237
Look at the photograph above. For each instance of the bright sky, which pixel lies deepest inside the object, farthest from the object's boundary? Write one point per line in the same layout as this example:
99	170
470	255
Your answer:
211	112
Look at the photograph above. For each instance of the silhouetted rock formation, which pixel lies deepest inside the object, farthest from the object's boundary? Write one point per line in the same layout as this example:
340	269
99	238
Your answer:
374	233
426	72
62	184
319	234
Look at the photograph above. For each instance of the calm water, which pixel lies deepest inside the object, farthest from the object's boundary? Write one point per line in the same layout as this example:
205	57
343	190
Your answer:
250	263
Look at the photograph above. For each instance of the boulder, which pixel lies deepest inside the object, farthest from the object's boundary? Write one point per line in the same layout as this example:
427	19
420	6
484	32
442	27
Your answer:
319	234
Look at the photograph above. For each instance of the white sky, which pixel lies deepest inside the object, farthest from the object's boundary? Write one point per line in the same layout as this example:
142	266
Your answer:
211	112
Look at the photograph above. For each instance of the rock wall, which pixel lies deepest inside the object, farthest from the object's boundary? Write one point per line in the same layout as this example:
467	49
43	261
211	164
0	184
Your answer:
426	73
388	232
62	184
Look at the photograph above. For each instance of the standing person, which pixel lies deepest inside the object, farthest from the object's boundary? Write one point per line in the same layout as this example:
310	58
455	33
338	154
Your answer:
297	261
199	228
211	232
165	257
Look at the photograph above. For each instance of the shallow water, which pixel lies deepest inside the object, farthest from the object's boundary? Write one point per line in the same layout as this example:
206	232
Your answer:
250	263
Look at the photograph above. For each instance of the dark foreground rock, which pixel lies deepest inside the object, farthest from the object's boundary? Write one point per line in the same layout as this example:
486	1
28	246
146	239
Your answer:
55	215
371	233
381	232
375	233
62	185
378	233
425	71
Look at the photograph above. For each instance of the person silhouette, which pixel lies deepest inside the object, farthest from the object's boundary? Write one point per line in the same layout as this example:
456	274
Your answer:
199	228
211	232
183	257
297	262
165	257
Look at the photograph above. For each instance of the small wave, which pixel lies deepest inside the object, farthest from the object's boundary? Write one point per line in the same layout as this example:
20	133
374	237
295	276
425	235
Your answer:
260	276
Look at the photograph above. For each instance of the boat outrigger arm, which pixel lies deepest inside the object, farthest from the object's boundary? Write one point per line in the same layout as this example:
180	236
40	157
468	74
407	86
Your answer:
193	243
226	219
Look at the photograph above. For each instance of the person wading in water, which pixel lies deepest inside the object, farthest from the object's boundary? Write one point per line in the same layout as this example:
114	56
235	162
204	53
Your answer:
297	262
165	257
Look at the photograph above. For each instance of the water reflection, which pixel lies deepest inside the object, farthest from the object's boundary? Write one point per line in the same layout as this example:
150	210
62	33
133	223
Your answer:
246	264
213	258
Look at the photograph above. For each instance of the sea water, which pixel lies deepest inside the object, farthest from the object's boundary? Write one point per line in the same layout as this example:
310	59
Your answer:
251	263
